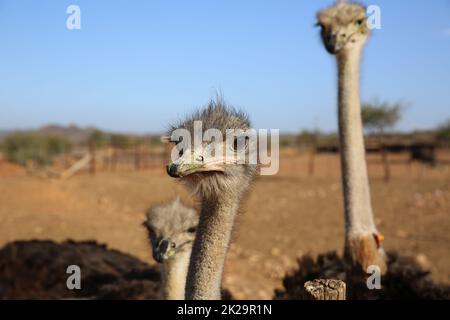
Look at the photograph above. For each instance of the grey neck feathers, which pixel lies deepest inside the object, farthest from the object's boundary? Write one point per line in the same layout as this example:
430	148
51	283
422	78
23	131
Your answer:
174	275
210	249
357	202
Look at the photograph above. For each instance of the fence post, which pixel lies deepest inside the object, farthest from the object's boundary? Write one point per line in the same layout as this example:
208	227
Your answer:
312	157
324	289
114	159
92	167
137	157
384	160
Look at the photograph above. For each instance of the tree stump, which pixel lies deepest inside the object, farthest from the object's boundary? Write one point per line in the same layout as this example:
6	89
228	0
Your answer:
324	289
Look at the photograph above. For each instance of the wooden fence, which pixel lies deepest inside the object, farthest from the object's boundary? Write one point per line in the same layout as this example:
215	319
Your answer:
93	160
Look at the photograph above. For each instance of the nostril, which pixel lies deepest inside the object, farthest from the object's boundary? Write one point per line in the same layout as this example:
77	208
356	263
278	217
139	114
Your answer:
171	169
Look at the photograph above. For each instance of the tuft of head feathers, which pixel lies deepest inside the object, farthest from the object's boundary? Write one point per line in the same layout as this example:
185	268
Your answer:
217	114
341	14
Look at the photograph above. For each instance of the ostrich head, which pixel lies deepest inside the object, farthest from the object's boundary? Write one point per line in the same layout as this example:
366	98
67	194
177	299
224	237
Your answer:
171	229
343	27
213	174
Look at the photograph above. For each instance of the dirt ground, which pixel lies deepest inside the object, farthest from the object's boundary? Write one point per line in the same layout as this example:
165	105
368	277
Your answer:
283	217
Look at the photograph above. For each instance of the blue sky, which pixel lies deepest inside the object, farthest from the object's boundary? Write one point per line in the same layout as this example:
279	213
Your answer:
136	65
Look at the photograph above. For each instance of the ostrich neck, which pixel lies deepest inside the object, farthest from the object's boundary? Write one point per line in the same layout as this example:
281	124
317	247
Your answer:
357	202
174	275
210	248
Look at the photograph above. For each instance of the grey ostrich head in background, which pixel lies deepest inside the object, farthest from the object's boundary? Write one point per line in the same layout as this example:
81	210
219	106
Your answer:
171	229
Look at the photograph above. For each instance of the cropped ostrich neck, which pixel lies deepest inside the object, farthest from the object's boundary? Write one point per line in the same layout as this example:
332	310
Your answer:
210	249
357	202
174	275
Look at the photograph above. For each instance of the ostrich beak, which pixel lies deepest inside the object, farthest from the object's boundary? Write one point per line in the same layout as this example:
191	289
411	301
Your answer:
164	250
184	169
332	44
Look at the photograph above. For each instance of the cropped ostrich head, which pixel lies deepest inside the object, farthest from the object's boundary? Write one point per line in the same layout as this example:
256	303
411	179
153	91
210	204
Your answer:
171	229
208	169
343	27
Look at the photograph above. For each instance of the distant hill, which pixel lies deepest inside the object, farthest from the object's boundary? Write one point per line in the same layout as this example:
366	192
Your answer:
71	133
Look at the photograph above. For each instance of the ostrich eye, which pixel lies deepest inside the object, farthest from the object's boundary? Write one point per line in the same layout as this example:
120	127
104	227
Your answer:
359	22
173	245
177	142
192	230
235	143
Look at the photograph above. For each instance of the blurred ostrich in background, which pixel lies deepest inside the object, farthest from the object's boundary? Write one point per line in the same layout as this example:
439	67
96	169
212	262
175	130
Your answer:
220	185
171	229
344	32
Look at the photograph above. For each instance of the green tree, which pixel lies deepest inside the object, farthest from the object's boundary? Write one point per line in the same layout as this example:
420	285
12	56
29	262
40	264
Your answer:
98	139
379	116
40	149
307	138
121	141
